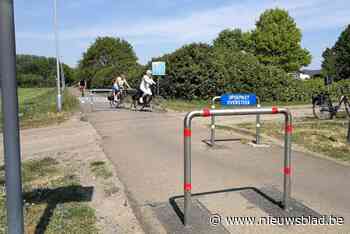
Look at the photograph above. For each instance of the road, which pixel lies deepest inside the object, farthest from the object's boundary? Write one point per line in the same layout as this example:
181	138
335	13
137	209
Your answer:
147	150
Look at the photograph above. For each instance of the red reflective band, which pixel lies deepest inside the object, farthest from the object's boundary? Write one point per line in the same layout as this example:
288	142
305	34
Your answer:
188	187
206	112
289	128
274	110
187	132
287	171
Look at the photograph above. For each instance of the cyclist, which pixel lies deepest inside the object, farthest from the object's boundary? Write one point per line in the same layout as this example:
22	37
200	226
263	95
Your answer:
115	88
82	87
145	85
122	83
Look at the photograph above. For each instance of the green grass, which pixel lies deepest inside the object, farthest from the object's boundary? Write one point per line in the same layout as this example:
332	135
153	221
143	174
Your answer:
25	94
182	105
100	170
327	137
37	106
54	200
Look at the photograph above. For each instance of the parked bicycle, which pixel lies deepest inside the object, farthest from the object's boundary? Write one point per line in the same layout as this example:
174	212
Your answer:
323	107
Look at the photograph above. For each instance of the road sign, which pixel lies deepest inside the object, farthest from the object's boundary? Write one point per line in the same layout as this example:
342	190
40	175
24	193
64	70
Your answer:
158	68
238	99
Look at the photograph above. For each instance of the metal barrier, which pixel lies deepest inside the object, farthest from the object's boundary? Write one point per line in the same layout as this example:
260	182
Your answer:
91	95
212	140
233	112
93	99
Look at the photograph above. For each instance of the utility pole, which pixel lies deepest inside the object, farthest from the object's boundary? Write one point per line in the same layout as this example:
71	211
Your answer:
11	140
59	98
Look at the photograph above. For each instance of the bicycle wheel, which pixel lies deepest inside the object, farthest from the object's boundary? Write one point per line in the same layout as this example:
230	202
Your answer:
322	108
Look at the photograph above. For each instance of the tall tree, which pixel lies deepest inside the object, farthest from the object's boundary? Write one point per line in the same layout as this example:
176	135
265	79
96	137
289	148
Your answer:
109	54
234	40
277	41
337	60
328	64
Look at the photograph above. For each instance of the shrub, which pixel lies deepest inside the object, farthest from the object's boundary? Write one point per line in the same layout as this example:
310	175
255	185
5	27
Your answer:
191	73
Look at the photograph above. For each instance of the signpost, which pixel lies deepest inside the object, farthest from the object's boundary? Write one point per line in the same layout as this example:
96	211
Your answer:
158	69
238	99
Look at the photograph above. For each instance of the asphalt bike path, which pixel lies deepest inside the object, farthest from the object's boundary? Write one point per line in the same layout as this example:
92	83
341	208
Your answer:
147	150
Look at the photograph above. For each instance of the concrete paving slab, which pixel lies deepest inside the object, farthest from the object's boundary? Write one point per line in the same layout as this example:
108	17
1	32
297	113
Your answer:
246	210
171	216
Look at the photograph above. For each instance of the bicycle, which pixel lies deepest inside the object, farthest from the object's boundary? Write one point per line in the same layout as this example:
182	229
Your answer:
116	100
136	105
323	107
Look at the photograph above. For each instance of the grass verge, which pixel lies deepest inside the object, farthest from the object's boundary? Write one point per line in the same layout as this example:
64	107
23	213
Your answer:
54	200
37	107
100	170
327	137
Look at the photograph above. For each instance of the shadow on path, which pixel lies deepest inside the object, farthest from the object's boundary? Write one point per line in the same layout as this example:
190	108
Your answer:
53	197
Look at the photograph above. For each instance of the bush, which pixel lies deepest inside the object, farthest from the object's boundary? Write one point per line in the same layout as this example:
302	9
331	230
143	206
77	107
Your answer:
191	73
198	71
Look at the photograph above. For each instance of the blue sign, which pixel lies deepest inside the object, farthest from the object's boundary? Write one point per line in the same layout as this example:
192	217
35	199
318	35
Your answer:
158	68
238	99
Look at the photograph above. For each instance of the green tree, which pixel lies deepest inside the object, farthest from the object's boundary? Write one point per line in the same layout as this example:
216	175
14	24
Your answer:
233	40
337	60
39	71
328	63
69	74
112	55
277	39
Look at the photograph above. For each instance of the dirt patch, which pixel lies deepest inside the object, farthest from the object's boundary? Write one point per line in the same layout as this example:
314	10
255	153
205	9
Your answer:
76	145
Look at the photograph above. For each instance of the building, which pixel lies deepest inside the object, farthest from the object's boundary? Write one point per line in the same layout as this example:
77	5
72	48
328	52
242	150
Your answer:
307	74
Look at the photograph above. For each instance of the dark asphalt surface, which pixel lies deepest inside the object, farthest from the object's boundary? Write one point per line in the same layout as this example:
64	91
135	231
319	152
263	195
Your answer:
147	150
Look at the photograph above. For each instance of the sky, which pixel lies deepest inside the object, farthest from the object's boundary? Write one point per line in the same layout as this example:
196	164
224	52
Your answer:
161	26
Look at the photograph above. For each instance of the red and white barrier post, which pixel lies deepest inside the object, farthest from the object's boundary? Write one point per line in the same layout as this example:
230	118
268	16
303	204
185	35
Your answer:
232	112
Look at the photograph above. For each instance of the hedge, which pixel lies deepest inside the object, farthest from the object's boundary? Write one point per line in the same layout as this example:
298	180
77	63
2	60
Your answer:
199	71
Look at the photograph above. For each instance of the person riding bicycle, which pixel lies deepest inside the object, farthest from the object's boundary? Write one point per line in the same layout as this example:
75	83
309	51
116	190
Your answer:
122	83
115	88
145	85
82	87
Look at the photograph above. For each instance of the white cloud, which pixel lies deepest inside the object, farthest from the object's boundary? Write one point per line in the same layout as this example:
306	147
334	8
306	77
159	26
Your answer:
323	15
311	15
204	25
